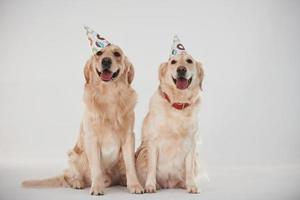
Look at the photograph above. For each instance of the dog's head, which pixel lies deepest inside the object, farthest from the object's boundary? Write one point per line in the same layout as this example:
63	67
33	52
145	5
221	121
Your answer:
109	65
181	72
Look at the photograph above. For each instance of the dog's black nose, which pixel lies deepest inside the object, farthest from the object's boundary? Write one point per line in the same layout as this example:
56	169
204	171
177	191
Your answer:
106	63
181	71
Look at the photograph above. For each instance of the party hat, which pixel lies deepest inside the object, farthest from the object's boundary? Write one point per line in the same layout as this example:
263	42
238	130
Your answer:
96	41
177	47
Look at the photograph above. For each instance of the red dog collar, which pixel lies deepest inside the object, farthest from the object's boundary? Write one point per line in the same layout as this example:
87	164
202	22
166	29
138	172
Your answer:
178	106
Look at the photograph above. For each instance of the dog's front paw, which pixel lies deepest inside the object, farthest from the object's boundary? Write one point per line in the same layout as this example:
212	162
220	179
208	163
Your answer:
135	189
193	189
77	184
150	188
97	190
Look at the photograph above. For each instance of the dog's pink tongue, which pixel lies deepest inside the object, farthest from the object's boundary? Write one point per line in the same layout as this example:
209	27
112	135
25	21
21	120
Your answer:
182	83
106	75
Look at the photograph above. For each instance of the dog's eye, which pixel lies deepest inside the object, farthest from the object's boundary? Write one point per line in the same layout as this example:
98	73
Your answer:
189	61
173	62
99	53
117	54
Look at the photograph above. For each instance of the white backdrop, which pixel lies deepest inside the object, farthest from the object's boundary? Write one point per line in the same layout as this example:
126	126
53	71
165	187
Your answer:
250	50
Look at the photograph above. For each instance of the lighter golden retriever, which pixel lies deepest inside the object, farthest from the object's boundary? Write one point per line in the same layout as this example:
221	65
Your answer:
168	156
106	139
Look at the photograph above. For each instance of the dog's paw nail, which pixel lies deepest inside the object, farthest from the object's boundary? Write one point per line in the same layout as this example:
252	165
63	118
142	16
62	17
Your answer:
150	188
97	190
136	189
193	190
77	184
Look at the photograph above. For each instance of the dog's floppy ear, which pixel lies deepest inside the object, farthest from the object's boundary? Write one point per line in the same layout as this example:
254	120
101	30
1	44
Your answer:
129	71
88	71
162	70
200	73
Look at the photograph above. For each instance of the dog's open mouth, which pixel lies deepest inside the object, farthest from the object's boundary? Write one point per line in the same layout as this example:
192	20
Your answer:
106	75
181	82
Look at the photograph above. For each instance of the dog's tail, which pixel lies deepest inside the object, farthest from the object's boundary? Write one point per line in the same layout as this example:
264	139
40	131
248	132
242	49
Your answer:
57	181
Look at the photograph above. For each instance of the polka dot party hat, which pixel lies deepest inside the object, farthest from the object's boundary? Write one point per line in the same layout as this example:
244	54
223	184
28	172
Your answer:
96	41
177	47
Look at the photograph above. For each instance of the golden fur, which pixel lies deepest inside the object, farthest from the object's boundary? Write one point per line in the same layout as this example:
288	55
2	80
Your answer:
106	139
168	155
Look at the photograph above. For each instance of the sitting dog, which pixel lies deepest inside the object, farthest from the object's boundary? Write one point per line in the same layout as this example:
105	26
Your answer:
168	156
104	152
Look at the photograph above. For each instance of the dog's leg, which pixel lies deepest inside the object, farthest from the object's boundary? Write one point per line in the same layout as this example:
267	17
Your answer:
191	172
152	162
94	159
74	174
133	183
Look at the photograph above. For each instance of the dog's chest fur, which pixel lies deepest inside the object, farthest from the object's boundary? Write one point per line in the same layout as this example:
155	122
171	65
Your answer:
108	114
174	131
174	143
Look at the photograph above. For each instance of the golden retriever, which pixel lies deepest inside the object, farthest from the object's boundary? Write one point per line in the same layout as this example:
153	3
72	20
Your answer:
168	155
104	152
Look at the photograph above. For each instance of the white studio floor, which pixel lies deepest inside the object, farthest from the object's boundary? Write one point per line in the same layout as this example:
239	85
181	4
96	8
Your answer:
268	182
